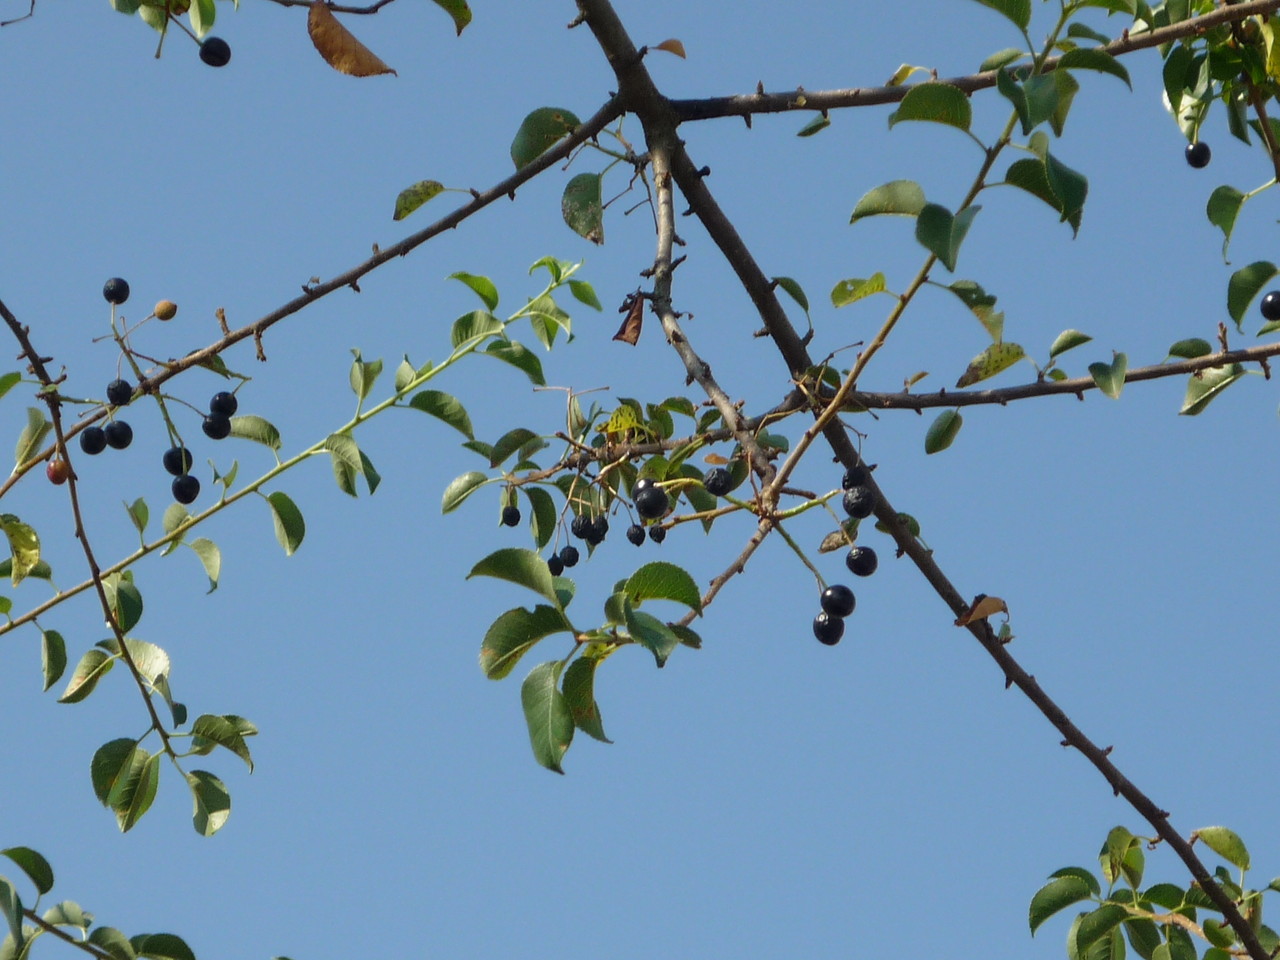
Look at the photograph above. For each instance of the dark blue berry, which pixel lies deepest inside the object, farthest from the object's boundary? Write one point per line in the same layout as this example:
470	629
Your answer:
859	502
510	516
838	600
186	488
119	393
828	629
216	427
1198	154
215	51
718	481
119	434
861	561
177	460
569	556
635	533
115	291
224	404
93	440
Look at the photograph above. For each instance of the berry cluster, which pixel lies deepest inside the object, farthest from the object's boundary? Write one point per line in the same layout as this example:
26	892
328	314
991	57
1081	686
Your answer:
838	600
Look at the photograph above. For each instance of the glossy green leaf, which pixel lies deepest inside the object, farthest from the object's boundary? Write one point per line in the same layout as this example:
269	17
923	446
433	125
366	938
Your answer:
1225	843
1056	895
898	197
523	567
411	198
53	657
582	207
1018	11
1222	209
520	357
1067	340
1204	386
579	695
108	939
93	666
212	802
514	633
458	10
1080	873
109	761
995	359
1110	376
289	526
542	523
32	436
226	731
547	715
1088	58
651	633
461	488
1244	285
35	866
1190	349
934	102
850	291
942	432
445	407
161	946
660	580
1001	58
257	429
135	790
539	132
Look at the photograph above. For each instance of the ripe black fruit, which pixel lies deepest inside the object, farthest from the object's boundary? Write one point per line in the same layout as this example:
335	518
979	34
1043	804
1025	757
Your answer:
118	434
215	51
93	440
854	477
657	534
642	484
635	533
1198	154
651	503
216	427
119	393
555	565
828	629
186	488
1271	305
510	516
580	528
861	561
599	530
115	291
718	481
177	460
223	404
858	502
838	600
569	556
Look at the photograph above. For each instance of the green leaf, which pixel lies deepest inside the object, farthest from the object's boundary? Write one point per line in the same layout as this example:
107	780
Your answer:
161	946
93	666
1066	87
1088	58
1190	349
898	197
138	515
943	431
663	581
1110	376
109	939
1204	386
226	731
934	102
32	435
202	14
520	357
539	132
11	907
133	793
1244	285
1226	844
514	633
547	714
1070	187
1218	933
109	761
583	208
584	293
53	657
1032	176
651	633
24	545
9	381
212	802
470	328
509	443
794	291
461	488
941	233
1056	895
411	198
345	458
1181	946
458	10
124	599
1081	30
1019	11
33	865
445	407
849	291
482	286
1035	99
257	429
1222	209
1144	935
817	124
542	523
995	359
68	913
1068	340
579	695
1093	926
1001	58
289	525
364	374
523	567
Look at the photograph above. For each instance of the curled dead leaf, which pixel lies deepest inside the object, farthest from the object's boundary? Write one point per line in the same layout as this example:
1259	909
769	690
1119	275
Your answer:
339	47
672	46
981	608
629	332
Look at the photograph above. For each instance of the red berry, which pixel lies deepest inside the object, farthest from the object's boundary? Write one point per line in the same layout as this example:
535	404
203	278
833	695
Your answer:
57	470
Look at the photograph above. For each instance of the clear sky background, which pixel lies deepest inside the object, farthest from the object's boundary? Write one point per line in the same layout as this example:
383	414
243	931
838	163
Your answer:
766	796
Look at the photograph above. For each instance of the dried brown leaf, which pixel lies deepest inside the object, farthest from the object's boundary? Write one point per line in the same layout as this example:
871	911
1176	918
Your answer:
629	332
672	46
340	49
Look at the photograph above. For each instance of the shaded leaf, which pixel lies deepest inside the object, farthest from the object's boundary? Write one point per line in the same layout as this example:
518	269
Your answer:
32	435
411	198
539	131
1001	58
1067	340
445	407
461	488
584	293
53	657
483	287
547	715
816	125
514	633
135	790
660	580
898	197
1225	843
1244	285
520	357
339	48
794	291
212	802
1087	58
579	694
289	525
942	432
542	523
1203	387
472	327
509	443
210	558
11	907
1019	11
257	429
651	633
93	666
226	731
161	946
109	761
942	233
1110	376
35	866
523	567
1056	895
1190	349
582	207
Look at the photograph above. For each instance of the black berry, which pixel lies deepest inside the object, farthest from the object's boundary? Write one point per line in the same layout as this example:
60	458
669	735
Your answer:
186	488
858	502
651	502
119	434
1271	305
599	530
718	481
569	556
838	600
861	561
119	393
510	516
828	629
642	484
177	460
216	427
581	527
215	51
555	565
115	291
223	404
1198	154
635	533
854	477
657	534
93	440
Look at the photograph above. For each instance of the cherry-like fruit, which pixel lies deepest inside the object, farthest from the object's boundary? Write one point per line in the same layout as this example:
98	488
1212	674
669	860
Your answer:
223	404
635	533
57	470
838	600
718	481
657	534
861	561
119	434
119	393
177	461
859	502
1199	154
115	291
569	556
216	427
510	516
215	51
186	488
555	565
1270	306
651	502
93	440
828	629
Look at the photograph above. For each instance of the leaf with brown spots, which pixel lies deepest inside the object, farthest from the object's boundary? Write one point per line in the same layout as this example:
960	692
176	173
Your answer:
340	49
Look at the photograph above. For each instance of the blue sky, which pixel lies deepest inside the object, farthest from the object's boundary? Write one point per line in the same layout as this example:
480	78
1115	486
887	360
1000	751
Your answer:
766	796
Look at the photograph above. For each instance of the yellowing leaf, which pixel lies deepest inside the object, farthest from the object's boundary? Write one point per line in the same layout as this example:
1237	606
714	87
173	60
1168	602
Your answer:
23	542
411	198
459	10
981	608
904	73
340	49
993	360
672	46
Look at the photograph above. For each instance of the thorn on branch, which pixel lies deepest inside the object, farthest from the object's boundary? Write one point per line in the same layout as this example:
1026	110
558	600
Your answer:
1106	751
1064	743
222	321
1266	368
704	172
1222	336
475	194
257	343
355	286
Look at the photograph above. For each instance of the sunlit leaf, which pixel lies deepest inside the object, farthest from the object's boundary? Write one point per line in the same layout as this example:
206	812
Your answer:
1110	376
516	565
445	407
35	866
1067	340
1206	385
1244	285
579	695
24	546
898	197
1225	843
212	802
934	102
854	289
995	359
672	46
514	633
